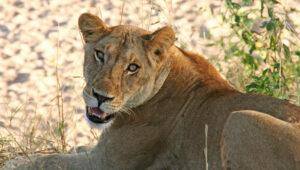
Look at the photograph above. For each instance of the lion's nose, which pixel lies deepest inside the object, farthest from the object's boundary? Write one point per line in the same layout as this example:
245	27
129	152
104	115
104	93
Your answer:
101	98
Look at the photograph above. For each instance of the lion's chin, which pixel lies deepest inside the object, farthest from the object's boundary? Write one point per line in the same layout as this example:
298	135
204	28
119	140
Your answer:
97	116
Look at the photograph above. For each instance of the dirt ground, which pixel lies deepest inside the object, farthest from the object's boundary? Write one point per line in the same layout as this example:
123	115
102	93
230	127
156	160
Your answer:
41	55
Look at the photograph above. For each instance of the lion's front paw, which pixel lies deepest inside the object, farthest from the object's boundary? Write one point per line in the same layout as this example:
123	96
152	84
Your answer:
50	162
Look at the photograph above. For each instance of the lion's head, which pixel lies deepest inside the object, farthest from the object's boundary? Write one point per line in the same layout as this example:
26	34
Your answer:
124	66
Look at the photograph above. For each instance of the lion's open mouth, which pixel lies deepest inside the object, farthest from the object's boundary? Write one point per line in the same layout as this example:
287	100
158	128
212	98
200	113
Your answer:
96	115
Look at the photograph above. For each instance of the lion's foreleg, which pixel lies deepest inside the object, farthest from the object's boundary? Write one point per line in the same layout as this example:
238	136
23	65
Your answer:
81	161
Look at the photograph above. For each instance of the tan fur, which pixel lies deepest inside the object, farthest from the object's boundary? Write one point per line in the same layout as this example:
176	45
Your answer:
169	103
270	143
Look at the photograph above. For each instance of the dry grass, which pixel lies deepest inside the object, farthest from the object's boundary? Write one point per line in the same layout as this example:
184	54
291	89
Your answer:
206	147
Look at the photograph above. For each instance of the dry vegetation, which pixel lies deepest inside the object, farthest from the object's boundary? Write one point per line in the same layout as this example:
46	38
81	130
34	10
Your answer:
41	63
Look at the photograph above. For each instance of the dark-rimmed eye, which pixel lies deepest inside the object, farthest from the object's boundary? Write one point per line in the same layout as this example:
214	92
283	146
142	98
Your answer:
99	56
132	68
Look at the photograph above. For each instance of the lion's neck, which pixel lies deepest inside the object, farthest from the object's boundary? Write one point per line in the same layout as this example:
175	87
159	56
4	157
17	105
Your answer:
182	77
190	73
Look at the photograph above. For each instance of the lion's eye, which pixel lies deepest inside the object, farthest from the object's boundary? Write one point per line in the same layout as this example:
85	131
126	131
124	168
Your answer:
99	56
132	68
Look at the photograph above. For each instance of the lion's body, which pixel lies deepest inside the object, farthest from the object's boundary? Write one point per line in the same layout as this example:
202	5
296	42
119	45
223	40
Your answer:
171	132
168	130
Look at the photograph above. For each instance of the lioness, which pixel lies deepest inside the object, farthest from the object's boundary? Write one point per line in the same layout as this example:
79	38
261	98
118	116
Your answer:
157	101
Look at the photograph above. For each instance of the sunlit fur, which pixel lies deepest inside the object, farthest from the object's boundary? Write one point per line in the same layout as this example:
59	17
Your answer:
162	112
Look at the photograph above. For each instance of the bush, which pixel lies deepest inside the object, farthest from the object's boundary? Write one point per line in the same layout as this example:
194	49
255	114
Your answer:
265	40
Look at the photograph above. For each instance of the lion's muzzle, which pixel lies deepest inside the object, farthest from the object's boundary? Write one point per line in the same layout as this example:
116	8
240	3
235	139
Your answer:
93	111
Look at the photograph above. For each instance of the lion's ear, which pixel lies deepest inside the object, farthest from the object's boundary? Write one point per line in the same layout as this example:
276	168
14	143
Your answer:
160	40
91	27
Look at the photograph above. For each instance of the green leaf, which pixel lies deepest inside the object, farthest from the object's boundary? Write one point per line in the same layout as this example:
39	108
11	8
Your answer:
270	12
298	71
249	60
297	53
287	52
270	25
252	87
237	19
236	5
265	72
233	5
247	2
276	65
247	37
273	43
252	48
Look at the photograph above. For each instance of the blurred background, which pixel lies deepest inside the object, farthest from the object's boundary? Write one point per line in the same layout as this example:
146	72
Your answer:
253	43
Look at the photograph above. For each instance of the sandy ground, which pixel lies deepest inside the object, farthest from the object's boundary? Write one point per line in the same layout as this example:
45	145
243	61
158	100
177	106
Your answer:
41	61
